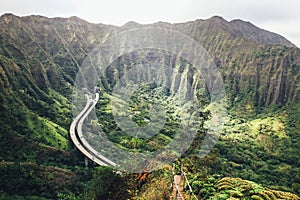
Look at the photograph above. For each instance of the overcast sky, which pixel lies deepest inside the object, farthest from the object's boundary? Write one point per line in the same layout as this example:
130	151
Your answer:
280	16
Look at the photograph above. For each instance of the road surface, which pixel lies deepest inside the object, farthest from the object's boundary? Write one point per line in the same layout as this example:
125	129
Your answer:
78	138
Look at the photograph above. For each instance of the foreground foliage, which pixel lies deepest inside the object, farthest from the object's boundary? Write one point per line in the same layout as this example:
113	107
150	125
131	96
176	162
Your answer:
236	188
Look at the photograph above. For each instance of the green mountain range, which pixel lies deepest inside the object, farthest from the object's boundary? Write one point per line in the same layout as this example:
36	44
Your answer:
39	60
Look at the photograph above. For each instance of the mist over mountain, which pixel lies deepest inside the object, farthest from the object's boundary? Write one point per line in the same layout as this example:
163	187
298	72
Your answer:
39	60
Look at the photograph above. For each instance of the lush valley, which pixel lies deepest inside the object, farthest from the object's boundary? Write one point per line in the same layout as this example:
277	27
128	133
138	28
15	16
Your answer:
260	142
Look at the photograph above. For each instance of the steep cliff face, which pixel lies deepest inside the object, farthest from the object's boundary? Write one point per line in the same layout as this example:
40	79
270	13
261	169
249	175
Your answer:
236	28
258	66
51	49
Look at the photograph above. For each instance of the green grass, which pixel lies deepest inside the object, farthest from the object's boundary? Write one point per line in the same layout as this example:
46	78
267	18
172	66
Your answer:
251	128
48	132
272	125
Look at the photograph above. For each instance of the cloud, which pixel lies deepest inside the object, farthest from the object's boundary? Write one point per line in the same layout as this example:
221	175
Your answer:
259	10
278	16
49	8
289	28
119	12
282	17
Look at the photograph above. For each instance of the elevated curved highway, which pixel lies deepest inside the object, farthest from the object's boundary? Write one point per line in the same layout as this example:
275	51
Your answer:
78	138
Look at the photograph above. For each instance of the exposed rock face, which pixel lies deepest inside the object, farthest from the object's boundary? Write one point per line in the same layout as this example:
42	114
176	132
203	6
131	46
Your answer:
259	67
39	53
